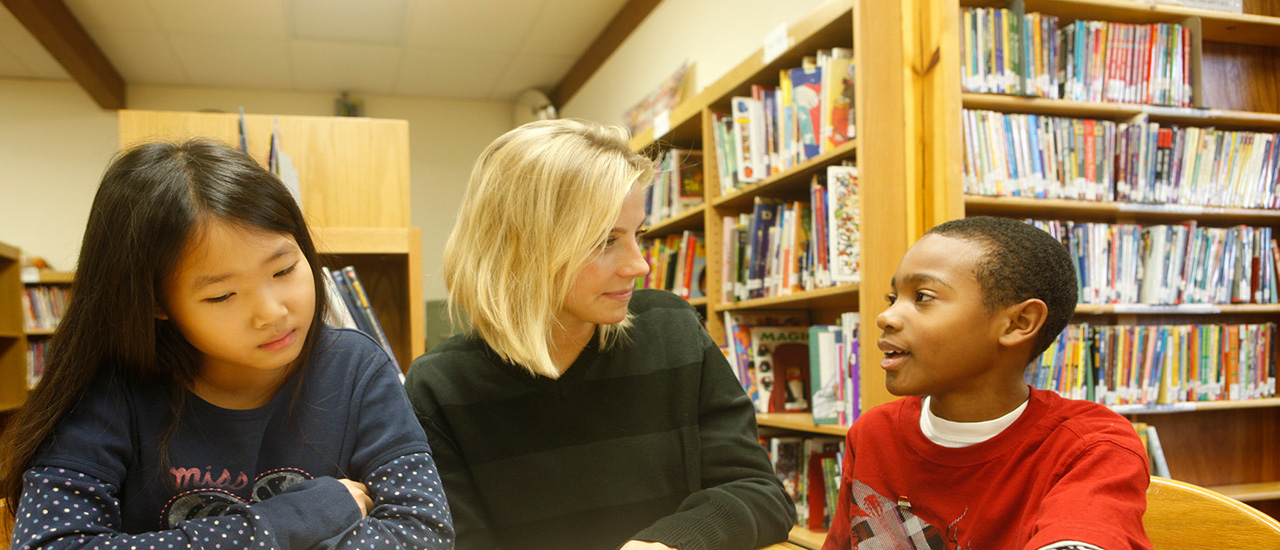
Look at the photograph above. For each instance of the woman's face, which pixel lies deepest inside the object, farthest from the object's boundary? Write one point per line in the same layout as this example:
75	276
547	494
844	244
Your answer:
602	290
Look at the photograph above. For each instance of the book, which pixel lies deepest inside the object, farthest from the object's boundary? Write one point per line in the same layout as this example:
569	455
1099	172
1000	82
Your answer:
825	343
737	325
338	314
781	358
843	223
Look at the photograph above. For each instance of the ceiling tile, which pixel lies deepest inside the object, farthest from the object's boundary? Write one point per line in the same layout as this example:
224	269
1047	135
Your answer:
452	74
218	62
334	66
229	18
567	27
26	57
531	71
479	25
116	14
369	21
142	57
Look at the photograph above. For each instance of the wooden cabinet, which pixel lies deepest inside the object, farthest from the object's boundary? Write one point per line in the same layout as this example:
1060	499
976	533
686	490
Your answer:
354	181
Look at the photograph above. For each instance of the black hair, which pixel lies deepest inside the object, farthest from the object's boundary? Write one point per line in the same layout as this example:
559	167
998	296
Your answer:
1020	262
152	200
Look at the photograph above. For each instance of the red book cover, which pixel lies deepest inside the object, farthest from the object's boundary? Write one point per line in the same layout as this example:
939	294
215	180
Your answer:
817	489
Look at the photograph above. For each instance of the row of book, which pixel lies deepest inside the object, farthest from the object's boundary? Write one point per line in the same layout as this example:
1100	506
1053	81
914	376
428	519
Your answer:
785	247
1040	156
1008	52
1155	450
787	365
349	306
677	264
1159	364
1170	264
810	112
44	305
677	186
809	469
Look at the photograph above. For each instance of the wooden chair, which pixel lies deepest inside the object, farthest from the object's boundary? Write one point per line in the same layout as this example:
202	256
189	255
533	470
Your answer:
1182	516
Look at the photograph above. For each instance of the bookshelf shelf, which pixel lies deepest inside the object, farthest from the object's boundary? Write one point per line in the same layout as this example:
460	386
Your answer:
40	332
1181	309
1250	492
699	302
684	130
1192	406
799	422
47	277
793	182
690	219
831	296
805	538
1080	209
1121	111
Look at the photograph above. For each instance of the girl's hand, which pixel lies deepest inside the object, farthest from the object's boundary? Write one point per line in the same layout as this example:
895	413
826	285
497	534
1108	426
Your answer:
642	545
360	493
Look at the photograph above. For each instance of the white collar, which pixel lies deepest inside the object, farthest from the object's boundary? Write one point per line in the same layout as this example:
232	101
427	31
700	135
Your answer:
963	434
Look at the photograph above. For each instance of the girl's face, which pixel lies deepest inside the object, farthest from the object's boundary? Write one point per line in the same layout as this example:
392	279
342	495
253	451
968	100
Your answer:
243	297
602	290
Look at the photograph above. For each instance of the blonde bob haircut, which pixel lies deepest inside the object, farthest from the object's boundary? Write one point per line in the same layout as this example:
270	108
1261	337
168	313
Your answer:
541	201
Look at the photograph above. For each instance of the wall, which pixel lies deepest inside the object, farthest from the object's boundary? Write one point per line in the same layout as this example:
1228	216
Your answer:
715	35
54	147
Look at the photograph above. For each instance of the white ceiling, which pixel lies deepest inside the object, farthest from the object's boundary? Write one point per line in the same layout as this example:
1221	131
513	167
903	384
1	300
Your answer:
473	49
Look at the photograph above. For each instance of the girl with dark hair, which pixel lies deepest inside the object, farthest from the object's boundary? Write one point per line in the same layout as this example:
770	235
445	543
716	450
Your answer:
192	396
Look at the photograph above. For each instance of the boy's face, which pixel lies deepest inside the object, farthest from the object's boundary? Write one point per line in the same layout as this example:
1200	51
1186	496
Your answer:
937	337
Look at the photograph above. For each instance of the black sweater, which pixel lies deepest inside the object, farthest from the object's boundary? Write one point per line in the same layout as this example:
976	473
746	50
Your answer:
652	440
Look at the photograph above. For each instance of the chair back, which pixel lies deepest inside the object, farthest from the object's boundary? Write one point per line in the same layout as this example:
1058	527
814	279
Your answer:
1182	516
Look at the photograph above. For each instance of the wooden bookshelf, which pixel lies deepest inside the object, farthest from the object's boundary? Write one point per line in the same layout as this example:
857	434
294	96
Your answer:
1230	446
13	340
354	181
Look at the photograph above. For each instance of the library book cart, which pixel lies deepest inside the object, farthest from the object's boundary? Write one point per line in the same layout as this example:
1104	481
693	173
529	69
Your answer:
353	176
910	152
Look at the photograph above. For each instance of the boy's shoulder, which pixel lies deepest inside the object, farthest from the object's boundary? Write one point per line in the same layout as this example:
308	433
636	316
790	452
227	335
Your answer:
1087	420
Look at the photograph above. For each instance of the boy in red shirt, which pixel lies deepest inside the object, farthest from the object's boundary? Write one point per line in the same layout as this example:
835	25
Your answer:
973	458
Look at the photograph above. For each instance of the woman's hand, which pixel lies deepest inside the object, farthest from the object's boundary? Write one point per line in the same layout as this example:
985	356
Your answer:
360	493
642	545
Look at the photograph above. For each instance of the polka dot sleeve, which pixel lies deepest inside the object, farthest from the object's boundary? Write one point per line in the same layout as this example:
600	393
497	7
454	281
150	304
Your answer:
409	508
63	509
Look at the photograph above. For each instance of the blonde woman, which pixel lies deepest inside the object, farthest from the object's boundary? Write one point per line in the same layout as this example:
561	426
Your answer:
579	413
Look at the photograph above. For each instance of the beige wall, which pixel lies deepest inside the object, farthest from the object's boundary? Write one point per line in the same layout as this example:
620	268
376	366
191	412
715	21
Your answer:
715	35
55	142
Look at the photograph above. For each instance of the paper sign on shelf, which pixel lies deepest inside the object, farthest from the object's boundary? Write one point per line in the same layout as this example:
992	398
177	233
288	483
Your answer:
775	43
661	124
